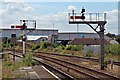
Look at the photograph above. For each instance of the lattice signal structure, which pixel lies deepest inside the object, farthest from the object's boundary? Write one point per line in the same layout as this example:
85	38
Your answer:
76	17
92	18
30	24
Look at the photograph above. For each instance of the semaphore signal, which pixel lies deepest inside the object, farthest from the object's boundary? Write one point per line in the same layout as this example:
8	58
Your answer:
24	26
18	26
79	18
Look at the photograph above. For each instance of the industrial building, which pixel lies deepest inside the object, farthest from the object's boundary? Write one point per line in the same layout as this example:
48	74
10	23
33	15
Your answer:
53	35
37	32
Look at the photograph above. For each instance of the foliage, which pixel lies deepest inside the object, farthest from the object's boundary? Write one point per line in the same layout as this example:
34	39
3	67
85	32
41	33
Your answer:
4	40
17	48
74	47
89	53
27	59
49	48
1	47
36	46
118	39
45	45
68	47
79	47
59	48
113	49
110	35
11	45
20	37
6	57
6	45
9	67
68	52
106	62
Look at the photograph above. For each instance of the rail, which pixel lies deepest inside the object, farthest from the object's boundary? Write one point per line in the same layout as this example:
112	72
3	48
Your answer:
79	69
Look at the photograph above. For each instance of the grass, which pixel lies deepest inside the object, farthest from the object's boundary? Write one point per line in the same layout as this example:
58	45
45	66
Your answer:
9	67
0	69
70	49
113	57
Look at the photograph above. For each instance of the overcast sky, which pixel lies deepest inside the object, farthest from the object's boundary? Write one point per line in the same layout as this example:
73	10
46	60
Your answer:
48	13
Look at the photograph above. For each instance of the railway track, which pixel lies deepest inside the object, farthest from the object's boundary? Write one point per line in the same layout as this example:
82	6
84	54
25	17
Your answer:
76	57
62	75
84	71
83	58
70	67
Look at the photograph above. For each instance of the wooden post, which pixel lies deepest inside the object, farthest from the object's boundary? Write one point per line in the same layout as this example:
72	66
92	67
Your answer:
111	64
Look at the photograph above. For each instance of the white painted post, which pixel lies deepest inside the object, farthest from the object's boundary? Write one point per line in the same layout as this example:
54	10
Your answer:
23	43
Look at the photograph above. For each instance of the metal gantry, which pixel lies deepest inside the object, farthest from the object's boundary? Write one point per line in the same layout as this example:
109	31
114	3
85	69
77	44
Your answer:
91	18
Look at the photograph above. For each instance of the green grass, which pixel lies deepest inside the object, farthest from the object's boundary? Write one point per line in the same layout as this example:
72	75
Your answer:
9	67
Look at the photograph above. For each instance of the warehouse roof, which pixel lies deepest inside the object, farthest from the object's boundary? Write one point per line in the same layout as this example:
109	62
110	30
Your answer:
87	41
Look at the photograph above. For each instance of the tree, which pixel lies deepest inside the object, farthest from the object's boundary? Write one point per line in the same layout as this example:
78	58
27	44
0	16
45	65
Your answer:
111	35
118	39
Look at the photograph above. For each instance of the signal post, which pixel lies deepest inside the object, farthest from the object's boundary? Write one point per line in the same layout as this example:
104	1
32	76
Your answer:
87	18
24	26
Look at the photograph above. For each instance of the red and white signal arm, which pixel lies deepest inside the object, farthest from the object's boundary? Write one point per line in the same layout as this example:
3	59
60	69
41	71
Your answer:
75	17
18	26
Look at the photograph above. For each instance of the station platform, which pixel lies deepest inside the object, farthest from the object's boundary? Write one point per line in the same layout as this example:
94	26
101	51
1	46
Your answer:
36	72
43	73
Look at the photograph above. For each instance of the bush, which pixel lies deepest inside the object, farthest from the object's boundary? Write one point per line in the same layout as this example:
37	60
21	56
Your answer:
59	48
50	48
11	45
27	59
74	47
1	47
68	52
45	45
106	62
68	47
6	57
79	48
34	47
113	49
4	45
89	53
17	47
